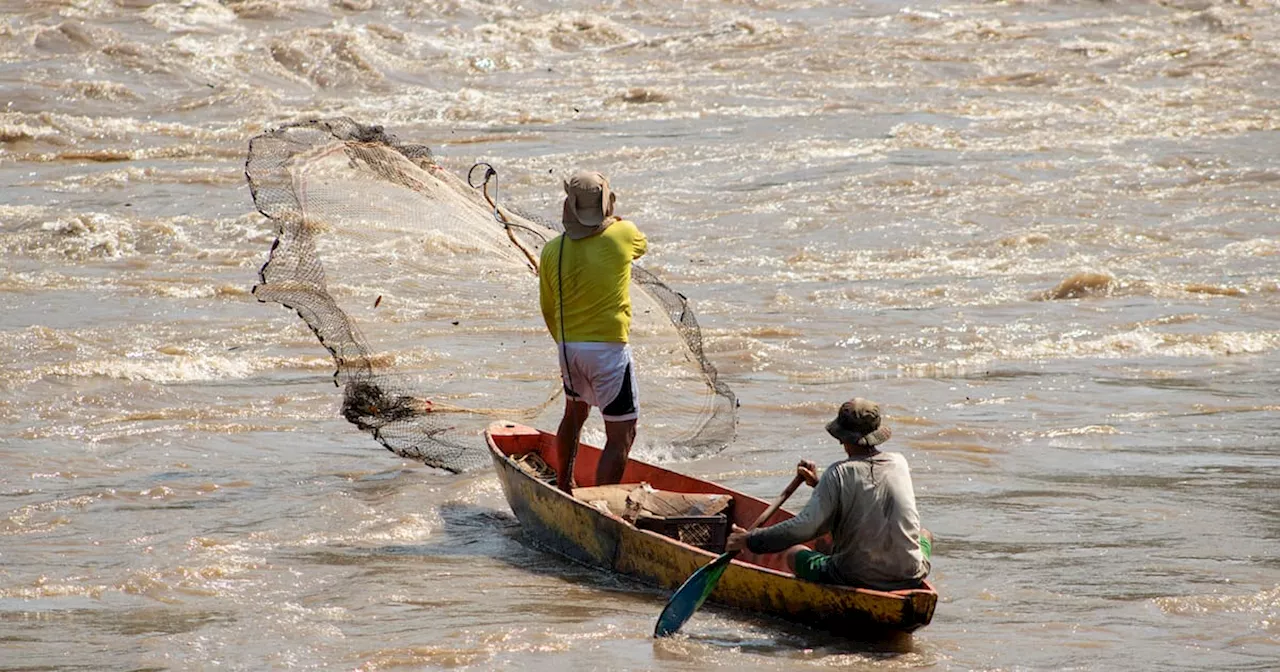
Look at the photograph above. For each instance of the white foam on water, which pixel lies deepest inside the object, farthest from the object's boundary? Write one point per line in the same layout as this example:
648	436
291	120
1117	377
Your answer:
202	16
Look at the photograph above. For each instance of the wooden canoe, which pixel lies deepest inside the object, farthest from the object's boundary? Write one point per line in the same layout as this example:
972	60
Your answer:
758	584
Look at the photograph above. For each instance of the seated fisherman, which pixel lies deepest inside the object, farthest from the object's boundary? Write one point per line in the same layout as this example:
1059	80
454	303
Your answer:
867	504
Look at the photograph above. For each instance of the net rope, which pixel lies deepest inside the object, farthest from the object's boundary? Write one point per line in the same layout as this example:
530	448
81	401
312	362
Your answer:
428	305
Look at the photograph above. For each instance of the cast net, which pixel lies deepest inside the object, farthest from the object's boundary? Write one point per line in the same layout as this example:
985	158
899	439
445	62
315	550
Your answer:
429	304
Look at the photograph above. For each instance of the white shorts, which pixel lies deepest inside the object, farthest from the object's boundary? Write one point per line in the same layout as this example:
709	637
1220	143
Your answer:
601	374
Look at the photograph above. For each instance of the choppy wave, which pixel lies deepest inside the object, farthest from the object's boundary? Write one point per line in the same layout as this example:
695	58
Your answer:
1265	604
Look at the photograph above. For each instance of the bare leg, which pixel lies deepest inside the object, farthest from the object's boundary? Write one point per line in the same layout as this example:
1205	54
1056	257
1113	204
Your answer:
617	446
782	561
567	436
790	555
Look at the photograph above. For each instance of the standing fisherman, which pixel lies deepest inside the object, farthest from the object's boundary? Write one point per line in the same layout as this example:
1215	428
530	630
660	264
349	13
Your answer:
584	291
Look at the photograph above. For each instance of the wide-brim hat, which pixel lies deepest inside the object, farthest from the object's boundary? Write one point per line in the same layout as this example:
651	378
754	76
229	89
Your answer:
858	422
588	205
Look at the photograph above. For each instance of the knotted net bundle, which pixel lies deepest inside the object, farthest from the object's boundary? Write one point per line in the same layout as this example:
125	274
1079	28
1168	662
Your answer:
428	303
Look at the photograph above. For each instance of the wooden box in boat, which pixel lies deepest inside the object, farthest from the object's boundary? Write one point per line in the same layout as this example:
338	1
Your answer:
589	534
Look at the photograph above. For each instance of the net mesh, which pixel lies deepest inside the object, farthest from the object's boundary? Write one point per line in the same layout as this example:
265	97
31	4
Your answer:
428	304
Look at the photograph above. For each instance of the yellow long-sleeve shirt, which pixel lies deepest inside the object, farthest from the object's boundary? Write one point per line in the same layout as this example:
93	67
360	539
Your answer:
597	284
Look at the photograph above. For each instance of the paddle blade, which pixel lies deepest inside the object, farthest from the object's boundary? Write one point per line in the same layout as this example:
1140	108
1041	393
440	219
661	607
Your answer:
690	595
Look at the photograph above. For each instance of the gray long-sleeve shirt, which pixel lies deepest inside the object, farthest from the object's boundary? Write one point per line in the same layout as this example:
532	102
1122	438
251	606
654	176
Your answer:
869	507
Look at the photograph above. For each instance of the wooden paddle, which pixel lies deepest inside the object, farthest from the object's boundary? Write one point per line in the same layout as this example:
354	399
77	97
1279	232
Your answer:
695	589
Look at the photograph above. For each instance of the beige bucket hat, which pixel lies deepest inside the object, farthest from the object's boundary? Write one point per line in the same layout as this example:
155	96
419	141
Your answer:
858	422
588	205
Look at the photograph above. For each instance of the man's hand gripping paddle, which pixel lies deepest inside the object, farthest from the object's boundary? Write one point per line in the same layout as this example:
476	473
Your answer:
695	589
